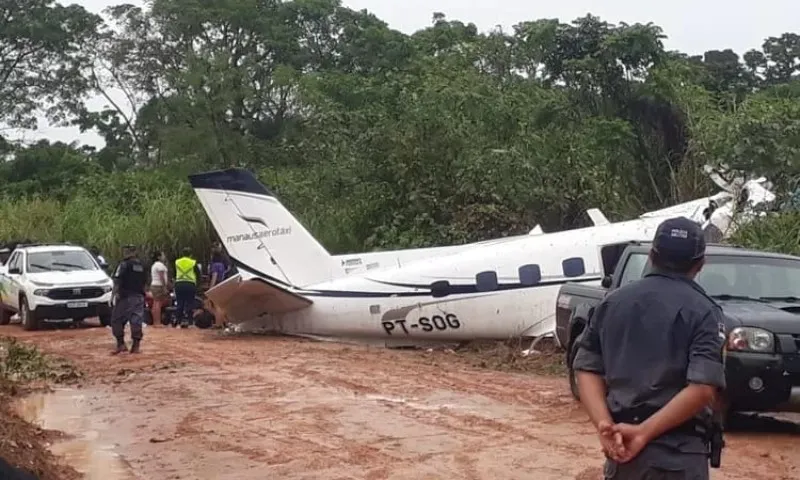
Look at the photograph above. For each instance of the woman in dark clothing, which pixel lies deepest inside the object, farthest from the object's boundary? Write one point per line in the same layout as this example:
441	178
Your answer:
217	269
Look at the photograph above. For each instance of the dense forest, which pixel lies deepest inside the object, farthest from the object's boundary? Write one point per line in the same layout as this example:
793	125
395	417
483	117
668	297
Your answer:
374	138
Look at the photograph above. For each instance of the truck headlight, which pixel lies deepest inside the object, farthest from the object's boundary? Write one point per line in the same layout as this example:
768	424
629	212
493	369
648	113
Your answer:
107	288
750	339
41	292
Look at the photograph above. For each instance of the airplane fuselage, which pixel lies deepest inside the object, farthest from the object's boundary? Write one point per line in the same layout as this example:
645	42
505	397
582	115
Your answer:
499	291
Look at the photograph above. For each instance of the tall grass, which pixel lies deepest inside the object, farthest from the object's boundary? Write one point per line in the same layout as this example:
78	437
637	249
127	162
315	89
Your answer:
162	220
774	233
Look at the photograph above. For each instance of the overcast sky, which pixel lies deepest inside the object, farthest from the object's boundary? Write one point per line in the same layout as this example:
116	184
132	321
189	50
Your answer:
692	26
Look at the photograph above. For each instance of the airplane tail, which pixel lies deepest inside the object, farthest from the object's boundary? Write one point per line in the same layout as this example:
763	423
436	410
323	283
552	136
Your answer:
261	236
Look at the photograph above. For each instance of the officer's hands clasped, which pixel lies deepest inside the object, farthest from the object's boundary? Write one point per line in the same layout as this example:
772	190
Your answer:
622	442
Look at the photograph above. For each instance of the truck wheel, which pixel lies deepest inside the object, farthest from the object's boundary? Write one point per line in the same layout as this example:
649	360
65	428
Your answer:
27	317
5	316
573	381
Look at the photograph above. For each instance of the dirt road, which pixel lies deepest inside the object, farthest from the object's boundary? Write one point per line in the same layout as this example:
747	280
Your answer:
199	405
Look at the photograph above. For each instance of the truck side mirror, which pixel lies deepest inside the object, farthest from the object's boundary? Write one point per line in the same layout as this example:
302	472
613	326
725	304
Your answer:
14	271
607	281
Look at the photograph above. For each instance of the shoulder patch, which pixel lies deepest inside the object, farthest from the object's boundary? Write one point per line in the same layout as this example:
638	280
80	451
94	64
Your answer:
136	267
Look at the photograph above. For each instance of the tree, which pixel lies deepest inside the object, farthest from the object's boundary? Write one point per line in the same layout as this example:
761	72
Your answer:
42	59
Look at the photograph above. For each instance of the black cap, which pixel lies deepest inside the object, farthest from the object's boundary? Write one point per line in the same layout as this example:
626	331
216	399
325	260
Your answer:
679	240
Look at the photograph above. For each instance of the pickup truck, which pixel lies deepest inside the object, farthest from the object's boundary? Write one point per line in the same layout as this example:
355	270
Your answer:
759	293
46	283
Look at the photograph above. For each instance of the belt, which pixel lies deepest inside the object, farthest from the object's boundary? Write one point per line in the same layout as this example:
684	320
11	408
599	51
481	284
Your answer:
634	416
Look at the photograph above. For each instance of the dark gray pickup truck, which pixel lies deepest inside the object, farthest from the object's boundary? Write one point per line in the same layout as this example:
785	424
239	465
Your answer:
759	293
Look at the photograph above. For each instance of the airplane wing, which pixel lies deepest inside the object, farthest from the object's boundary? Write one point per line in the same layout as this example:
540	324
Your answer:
243	300
689	209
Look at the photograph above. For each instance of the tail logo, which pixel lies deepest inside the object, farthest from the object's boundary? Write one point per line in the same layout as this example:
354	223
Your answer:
257	220
268	233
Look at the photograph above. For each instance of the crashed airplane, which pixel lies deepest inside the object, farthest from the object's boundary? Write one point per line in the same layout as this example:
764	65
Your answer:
499	289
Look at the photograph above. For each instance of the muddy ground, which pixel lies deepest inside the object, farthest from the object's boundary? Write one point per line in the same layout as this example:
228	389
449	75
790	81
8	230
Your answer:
200	405
24	445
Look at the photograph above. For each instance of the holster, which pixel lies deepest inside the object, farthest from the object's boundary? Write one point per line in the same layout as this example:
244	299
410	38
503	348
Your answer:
710	432
715	444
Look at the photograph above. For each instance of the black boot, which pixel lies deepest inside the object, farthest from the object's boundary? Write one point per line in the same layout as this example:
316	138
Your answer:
120	348
135	346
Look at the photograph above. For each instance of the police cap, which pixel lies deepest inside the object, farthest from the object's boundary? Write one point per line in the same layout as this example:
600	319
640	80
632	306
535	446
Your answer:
679	240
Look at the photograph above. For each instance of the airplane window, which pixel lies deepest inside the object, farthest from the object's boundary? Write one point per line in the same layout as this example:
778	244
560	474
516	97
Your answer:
530	274
440	288
486	281
573	267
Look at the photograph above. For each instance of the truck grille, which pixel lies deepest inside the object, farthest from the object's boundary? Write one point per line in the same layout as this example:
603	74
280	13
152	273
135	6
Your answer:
77	293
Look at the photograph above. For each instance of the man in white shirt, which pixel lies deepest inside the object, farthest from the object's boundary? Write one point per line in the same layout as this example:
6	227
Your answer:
100	259
159	285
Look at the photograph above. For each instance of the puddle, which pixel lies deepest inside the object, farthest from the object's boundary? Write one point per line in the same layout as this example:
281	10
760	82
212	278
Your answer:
69	411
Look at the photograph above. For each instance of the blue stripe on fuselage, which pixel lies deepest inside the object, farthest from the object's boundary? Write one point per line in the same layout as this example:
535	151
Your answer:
419	290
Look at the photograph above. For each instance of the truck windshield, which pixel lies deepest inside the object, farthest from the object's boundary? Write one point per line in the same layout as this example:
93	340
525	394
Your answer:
60	261
736	276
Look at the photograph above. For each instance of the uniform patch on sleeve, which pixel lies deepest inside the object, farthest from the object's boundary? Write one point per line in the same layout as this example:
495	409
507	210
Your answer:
721	329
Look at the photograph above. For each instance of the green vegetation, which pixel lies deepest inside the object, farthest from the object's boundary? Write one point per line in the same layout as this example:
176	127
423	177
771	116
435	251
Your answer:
22	363
377	139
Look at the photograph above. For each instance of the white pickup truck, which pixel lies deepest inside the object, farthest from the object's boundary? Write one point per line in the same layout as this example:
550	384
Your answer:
53	283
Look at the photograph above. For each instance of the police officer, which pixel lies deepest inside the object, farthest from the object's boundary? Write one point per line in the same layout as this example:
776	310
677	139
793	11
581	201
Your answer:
650	363
130	279
187	271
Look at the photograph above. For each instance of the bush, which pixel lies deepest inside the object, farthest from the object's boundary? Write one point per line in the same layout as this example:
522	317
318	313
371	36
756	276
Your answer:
775	233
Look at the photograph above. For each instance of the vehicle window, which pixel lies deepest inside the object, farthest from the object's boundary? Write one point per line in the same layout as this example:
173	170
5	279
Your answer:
634	268
750	276
611	255
14	260
60	261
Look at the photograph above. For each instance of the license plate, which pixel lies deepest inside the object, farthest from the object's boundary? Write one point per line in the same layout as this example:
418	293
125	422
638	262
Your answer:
77	304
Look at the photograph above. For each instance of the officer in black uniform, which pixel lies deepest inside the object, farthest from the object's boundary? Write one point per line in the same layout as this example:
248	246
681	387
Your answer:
130	280
650	363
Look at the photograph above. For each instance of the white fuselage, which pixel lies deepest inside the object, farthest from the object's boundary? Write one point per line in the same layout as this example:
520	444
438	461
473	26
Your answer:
397	303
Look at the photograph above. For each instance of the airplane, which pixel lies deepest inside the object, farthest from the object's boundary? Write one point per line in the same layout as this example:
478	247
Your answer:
287	283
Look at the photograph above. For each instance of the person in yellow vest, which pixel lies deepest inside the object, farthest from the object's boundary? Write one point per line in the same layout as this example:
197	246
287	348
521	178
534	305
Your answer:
187	274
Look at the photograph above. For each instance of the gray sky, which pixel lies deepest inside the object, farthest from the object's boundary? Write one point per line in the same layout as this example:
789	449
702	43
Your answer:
692	26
